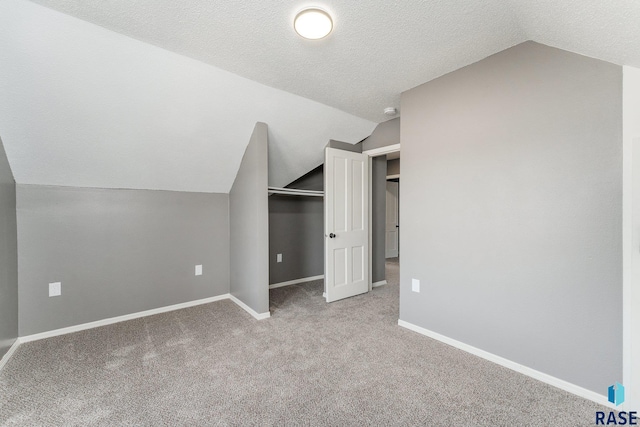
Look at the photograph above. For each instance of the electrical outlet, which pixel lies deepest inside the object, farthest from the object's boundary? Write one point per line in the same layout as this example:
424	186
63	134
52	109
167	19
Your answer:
198	270
415	285
55	289
279	258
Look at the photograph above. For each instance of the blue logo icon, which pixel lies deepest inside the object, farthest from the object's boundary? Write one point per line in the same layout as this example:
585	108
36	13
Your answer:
616	394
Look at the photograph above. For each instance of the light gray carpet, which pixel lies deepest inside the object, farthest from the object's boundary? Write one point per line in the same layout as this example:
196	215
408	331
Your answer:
312	363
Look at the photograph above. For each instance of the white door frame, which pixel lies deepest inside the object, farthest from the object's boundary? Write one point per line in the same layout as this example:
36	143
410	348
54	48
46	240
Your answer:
370	222
388	149
375	152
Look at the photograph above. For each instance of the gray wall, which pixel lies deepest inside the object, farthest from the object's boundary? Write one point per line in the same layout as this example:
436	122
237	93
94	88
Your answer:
296	230
511	206
356	148
8	256
116	252
378	217
386	133
393	167
249	214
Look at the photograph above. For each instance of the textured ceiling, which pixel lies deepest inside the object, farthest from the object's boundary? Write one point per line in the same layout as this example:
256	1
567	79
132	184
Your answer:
603	29
83	106
376	51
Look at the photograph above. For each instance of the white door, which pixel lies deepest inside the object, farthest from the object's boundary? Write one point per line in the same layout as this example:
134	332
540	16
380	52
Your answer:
392	230
346	206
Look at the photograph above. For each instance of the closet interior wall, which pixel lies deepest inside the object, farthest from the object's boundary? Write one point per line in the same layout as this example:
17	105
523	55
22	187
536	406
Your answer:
296	230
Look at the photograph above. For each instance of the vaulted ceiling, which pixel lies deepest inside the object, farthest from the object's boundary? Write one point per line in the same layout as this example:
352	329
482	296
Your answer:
377	50
83	106
166	93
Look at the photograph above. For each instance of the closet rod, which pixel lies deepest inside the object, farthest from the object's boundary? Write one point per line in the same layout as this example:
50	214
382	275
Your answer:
291	193
294	192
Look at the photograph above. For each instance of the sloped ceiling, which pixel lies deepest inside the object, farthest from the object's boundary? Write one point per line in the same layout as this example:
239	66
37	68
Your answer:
377	49
83	106
602	29
88	107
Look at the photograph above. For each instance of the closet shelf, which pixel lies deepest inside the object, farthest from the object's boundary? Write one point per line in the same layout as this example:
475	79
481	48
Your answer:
295	192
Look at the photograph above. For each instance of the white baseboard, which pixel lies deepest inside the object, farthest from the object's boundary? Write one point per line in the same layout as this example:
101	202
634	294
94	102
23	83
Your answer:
9	353
296	281
380	283
112	320
124	318
245	307
540	376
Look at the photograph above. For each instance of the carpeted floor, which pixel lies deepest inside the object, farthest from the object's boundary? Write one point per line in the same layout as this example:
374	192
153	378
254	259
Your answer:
312	363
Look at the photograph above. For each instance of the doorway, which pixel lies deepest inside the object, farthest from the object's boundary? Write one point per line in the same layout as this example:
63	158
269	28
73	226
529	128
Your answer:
385	221
392	222
355	224
383	164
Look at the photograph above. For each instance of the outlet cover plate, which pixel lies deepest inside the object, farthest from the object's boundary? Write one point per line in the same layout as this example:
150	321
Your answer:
415	285
198	270
279	258
55	289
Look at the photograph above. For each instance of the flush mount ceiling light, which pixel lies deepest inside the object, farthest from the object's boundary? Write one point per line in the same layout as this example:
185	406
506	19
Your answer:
390	111
313	23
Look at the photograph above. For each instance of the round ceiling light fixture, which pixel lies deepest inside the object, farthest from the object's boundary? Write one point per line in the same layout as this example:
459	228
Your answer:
313	23
390	111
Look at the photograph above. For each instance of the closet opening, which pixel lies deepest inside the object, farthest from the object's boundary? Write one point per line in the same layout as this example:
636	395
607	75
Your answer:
296	232
311	231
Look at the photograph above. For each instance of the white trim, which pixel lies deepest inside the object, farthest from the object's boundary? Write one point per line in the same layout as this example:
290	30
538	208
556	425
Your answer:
627	244
382	150
380	283
540	376
630	237
393	176
251	311
9	353
124	318
370	236
296	281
